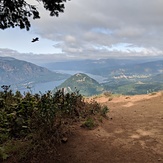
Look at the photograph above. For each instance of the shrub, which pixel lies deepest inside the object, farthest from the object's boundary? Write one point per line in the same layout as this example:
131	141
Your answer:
107	93
3	154
104	111
43	119
89	123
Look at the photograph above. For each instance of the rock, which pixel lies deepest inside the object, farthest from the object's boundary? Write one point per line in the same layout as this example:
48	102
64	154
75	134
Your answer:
64	140
127	97
159	159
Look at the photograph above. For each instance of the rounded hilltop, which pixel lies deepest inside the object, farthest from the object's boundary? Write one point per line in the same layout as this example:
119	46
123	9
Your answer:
86	85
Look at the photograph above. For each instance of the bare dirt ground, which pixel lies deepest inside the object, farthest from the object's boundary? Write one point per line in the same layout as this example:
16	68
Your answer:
132	134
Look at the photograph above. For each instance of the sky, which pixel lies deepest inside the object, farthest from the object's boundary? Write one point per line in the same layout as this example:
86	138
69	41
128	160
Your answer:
89	29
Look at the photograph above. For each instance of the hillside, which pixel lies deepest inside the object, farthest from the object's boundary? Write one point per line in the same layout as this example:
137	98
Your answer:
105	67
123	76
13	71
96	67
83	83
132	134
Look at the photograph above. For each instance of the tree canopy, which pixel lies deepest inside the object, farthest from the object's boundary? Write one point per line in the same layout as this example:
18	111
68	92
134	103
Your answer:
17	12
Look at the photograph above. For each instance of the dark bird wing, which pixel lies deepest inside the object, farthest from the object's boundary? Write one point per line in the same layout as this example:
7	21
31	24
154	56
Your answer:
35	39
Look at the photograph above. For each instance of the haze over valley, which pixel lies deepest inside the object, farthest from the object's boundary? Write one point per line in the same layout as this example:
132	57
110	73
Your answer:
122	76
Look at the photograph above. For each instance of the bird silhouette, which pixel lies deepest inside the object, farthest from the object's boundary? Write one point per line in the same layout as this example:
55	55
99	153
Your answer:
35	39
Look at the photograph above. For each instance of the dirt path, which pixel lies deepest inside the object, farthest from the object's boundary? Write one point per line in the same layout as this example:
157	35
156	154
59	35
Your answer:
133	134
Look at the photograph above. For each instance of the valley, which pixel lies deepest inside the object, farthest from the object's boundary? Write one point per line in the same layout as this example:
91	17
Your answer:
120	76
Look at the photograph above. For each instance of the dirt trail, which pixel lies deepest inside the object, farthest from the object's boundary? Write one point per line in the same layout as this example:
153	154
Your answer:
133	134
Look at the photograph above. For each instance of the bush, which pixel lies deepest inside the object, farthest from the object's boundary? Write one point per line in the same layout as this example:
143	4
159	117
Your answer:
89	123
104	111
43	119
107	93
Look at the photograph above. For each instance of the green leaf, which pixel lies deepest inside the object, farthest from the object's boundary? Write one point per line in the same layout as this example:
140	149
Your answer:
3	155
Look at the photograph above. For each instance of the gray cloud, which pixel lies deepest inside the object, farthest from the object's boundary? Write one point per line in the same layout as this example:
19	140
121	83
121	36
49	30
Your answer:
89	24
33	58
102	29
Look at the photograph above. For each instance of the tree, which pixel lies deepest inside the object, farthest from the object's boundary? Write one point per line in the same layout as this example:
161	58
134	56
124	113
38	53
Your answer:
17	12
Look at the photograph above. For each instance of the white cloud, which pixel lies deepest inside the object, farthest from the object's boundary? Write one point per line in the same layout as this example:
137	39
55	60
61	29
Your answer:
89	29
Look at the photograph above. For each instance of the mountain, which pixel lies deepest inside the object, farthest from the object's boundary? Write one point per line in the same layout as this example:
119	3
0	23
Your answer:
14	71
127	68
157	78
153	67
91	65
82	82
115	66
124	76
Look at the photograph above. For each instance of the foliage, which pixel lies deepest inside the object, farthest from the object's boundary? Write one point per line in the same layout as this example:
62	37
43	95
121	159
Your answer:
104	111
89	123
133	88
87	85
95	109
42	119
17	12
3	154
107	93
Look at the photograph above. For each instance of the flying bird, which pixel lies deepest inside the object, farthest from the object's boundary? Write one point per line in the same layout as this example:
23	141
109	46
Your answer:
35	39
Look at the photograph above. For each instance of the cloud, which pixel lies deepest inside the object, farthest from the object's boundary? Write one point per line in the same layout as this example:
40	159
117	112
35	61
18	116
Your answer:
89	29
31	57
105	23
129	32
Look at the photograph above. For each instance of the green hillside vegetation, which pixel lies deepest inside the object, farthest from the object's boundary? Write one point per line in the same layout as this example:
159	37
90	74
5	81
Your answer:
82	82
134	88
89	87
158	78
124	76
32	126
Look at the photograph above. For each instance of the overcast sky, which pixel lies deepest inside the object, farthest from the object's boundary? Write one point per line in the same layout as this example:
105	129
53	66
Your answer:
90	29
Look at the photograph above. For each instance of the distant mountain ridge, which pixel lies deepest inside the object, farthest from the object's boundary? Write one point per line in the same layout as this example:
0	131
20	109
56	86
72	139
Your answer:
17	71
122	76
105	67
